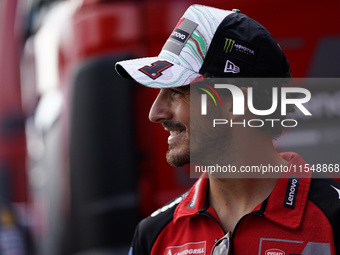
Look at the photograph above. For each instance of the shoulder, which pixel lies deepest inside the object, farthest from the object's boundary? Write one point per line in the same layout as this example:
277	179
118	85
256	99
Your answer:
325	194
149	228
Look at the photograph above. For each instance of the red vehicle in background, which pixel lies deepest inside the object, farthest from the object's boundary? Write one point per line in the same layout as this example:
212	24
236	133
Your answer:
80	164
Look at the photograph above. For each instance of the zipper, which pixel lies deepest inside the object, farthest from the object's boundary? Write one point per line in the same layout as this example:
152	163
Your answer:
232	235
258	213
205	213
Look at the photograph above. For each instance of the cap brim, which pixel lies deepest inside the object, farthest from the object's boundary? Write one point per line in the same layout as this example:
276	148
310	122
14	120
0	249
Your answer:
156	72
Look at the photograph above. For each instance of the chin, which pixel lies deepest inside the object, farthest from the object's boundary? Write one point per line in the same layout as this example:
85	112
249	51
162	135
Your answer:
178	159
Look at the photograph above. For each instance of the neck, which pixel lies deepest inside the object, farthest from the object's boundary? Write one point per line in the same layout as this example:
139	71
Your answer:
232	198
241	195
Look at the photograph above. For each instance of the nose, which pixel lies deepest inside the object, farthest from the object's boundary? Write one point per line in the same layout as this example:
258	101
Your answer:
160	110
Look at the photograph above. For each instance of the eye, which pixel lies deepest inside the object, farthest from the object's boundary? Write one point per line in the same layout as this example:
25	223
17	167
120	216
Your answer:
175	92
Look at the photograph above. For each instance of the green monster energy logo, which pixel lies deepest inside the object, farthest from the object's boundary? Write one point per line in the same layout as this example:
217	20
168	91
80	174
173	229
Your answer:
229	44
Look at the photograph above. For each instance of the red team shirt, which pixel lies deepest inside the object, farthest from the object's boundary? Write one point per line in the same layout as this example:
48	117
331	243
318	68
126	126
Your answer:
301	216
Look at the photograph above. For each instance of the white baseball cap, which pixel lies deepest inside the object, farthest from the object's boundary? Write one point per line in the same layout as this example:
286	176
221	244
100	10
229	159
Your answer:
210	41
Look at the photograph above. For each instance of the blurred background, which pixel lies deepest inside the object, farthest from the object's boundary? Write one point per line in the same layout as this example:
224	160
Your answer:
80	164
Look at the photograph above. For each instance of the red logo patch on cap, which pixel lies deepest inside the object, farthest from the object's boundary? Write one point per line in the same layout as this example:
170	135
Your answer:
274	252
186	249
156	69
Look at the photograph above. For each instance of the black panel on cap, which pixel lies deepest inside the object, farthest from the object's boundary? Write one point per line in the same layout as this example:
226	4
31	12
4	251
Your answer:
247	48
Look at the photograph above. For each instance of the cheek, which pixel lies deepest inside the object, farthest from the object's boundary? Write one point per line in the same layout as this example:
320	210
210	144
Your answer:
183	115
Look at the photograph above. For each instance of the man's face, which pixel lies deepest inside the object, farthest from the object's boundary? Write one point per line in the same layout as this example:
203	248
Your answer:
171	108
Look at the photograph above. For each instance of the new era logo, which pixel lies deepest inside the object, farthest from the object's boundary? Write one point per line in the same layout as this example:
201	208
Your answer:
230	67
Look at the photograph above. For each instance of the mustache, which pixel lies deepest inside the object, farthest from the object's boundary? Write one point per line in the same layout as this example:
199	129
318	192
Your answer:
170	125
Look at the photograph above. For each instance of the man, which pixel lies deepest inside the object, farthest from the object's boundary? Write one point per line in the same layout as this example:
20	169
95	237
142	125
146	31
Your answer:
293	214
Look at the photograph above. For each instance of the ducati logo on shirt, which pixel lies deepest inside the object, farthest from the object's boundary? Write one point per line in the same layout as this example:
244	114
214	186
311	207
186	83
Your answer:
274	252
272	246
188	248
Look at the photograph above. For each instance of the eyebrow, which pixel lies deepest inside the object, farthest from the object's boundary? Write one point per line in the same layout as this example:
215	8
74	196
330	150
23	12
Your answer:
183	88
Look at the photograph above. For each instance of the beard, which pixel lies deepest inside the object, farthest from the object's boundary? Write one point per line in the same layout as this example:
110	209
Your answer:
205	148
179	159
178	154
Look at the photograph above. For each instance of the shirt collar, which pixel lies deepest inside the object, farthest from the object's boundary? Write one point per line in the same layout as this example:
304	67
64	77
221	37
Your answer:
286	190
195	199
272	208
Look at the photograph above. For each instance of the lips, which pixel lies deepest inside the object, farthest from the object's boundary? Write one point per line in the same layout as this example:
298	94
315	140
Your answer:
175	136
176	131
